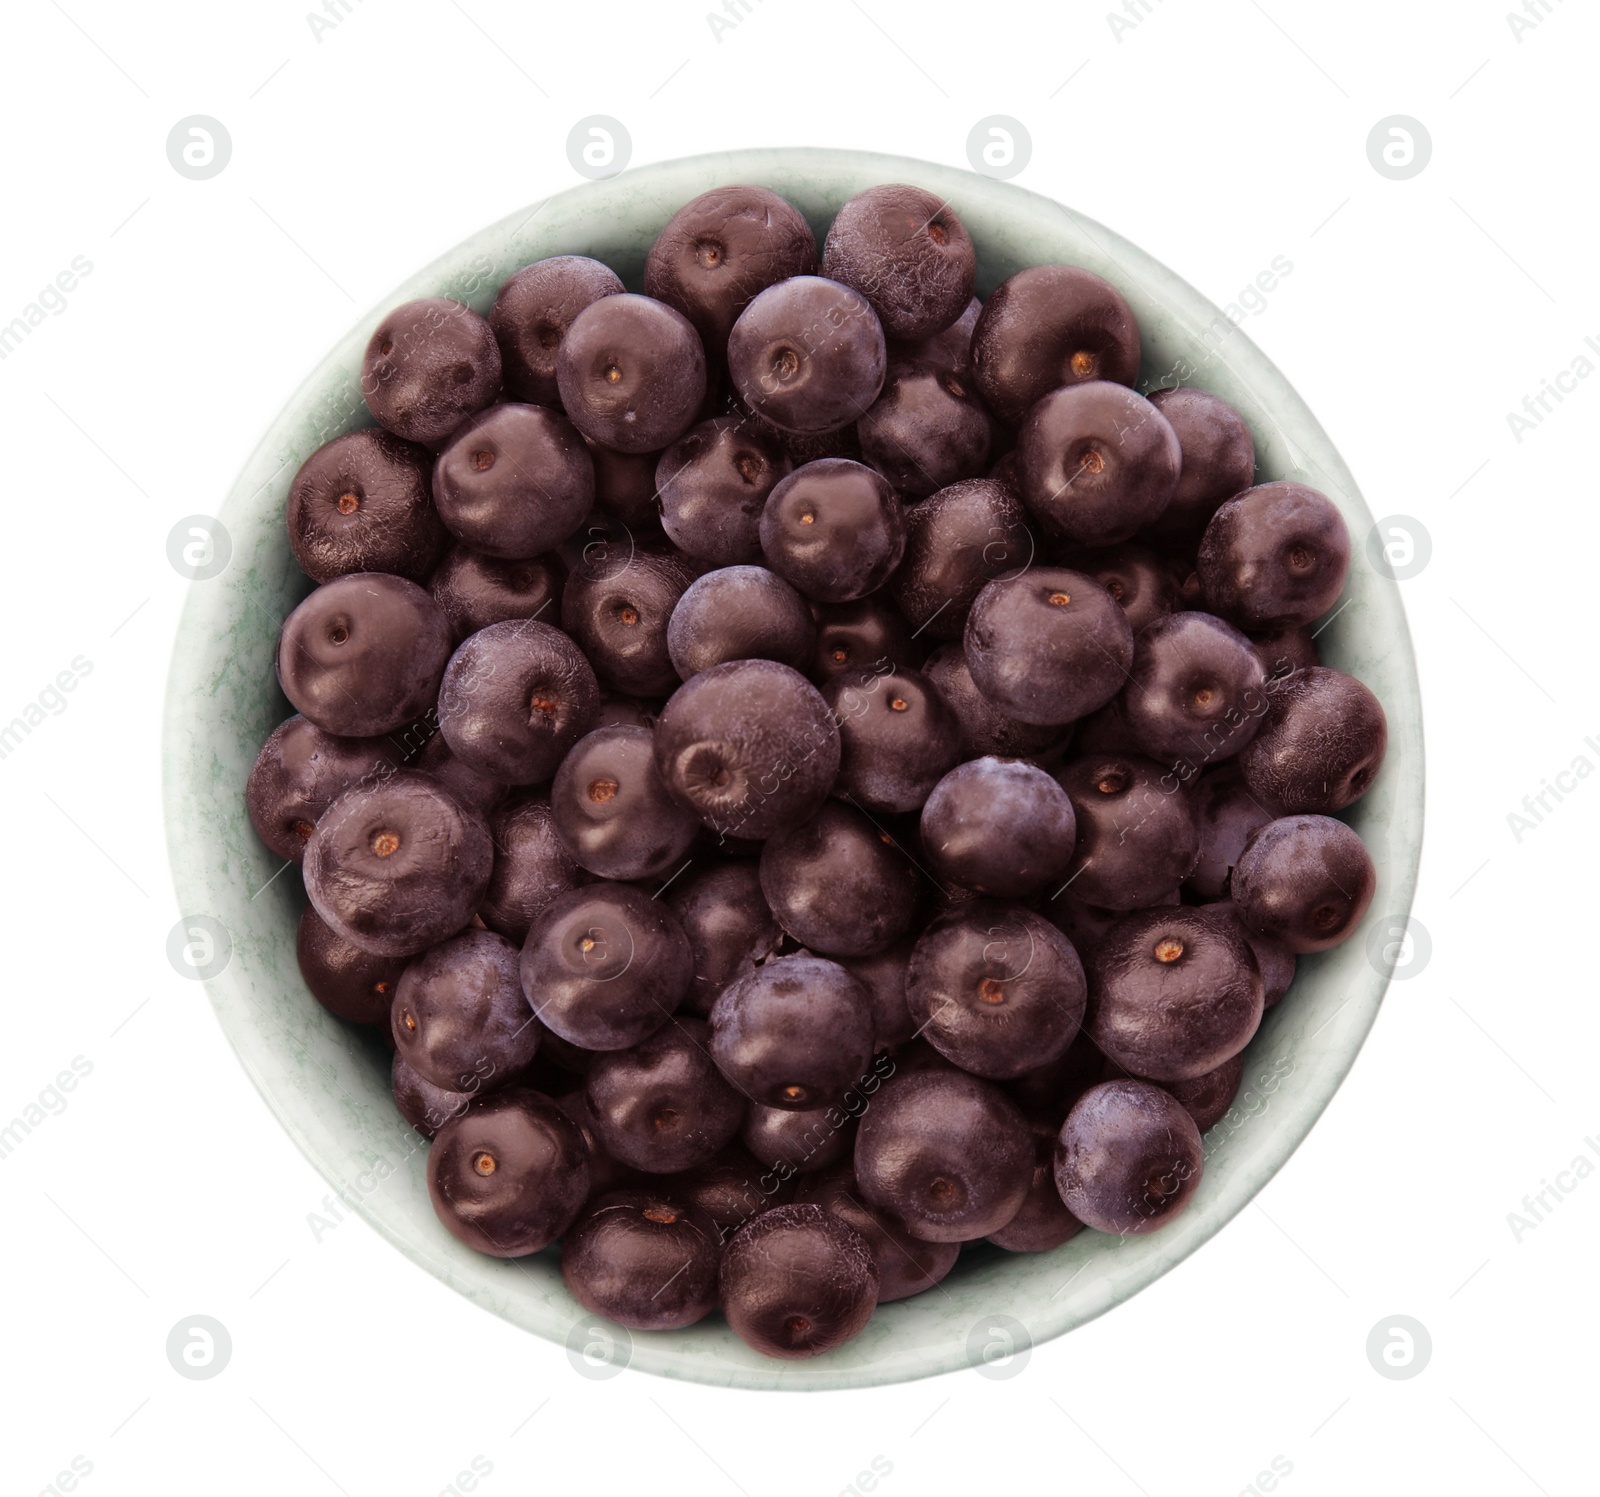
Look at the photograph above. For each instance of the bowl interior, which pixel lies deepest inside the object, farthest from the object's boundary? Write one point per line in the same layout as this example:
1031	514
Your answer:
328	1083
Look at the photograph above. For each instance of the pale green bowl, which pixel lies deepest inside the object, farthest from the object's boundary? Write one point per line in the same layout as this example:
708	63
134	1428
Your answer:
328	1083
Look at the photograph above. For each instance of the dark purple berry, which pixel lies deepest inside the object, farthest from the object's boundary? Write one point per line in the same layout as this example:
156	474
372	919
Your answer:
429	366
957	540
1219	458
897	736
799	1143
883	974
483	793
926	430
364	503
299	771
347	981
999	826
1043	1221
1140	581
364	654
396	867
618	614
906	1265
1274	555
730	929
860	640
1128	1157
476	590
740	613
422	1104
531	868
1304	881
1196	691
834	529
985	729
611	811
643	1260
532	313
1226	814
1320	746
713	482
1137	838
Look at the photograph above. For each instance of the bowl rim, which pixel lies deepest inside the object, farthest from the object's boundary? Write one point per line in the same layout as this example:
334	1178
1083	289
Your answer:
204	873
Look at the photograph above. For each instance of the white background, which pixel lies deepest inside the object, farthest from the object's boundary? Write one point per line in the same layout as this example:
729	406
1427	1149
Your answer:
1218	135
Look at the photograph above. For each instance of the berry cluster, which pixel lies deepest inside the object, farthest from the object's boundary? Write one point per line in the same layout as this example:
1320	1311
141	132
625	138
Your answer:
875	768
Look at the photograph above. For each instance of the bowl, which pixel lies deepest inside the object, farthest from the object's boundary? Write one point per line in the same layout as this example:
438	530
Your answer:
327	1082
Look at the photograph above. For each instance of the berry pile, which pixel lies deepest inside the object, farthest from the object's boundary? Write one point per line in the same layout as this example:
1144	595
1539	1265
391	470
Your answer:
809	769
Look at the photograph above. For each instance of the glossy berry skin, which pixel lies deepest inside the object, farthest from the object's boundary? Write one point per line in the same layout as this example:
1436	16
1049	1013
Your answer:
906	1265
985	729
1227	813
422	1104
483	793
1096	462
836	886
1137	837
364	503
1137	578
363	654
957	540
720	250
996	989
429	366
1196	691
531	868
1173	992
750	747
605	966
799	1143
532	313
834	529
631	373
618	614
898	737
730	929
1219	458
397	866
351	983
605	1173
514	482
509	1175
1049	646
908	253
1207	1098
1274	961
476	590
731	1189
948	1154
949	349
926	430
1274	555
883	974
299	771
861	640
1043	1221
713	484
1304	881
459	1017
642	1259
740	613
515	698
807	355
797	1281
1048	326
662	1106
1000	827
1128	1157
795	1033
1320	746
611	811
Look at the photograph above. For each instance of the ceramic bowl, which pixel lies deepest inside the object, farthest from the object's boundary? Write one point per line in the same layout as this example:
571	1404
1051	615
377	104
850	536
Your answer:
327	1083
